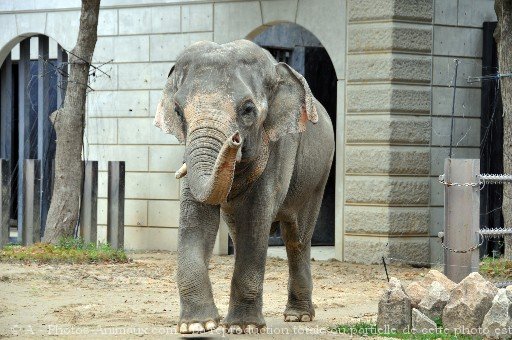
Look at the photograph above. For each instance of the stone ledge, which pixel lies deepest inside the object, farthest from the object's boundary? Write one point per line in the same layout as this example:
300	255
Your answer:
389	67
388	98
387	160
384	220
389	130
387	190
366	10
390	37
370	250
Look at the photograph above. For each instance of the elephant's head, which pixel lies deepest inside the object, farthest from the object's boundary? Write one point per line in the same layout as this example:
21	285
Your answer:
224	102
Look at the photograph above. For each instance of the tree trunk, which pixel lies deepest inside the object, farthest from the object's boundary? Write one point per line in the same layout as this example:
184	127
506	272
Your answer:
503	36
69	127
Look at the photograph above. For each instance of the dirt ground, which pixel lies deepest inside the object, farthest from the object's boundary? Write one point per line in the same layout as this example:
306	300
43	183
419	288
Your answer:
140	298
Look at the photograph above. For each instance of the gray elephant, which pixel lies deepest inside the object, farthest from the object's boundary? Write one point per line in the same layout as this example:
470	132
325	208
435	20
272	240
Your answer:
259	148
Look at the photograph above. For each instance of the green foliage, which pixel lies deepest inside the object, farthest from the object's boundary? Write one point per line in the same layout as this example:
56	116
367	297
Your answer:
68	250
499	268
365	329
439	322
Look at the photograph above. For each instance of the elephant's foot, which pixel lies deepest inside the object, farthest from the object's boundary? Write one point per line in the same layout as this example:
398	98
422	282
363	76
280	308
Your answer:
198	318
252	323
299	313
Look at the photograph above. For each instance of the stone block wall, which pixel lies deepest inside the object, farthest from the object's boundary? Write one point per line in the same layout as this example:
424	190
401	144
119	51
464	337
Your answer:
142	43
400	69
388	130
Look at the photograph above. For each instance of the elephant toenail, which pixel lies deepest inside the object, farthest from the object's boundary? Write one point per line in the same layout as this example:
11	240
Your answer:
196	327
183	328
291	318
305	318
210	325
235	329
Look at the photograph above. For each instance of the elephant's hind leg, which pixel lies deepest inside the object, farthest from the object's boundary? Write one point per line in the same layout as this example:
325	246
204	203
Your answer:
300	286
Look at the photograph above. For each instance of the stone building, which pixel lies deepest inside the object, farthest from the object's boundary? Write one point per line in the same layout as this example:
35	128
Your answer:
392	66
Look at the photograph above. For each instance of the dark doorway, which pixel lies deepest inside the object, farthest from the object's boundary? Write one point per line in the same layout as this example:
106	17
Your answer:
300	49
491	143
321	77
30	89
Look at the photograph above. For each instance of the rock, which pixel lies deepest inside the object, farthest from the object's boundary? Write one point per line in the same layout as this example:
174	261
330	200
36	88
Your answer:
421	323
498	320
509	292
433	303
416	292
435	275
394	308
469	301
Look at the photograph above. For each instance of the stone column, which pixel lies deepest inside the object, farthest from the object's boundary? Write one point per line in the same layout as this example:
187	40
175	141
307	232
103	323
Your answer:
388	130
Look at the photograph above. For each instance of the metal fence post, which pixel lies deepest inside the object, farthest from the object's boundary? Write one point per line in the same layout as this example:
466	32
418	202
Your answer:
5	202
31	215
461	217
89	203
115	213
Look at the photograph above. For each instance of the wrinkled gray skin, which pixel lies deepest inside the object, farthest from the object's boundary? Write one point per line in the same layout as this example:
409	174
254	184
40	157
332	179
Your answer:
258	148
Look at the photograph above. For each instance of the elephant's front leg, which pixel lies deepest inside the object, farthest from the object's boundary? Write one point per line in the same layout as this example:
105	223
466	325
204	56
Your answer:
250	237
198	227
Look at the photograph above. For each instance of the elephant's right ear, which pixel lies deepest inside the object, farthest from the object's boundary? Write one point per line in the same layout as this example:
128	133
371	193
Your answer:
166	118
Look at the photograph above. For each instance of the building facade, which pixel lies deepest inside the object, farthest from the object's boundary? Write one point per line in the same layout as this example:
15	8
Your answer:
394	65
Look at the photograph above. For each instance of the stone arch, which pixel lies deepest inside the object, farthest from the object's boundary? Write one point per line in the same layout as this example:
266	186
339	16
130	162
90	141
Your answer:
37	83
337	57
301	49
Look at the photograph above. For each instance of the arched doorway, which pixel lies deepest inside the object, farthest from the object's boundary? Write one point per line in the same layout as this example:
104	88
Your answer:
299	48
32	86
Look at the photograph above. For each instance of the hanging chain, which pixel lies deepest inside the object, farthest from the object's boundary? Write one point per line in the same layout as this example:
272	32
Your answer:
455	184
459	251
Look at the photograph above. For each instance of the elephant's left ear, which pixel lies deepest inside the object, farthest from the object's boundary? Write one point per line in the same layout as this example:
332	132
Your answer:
292	104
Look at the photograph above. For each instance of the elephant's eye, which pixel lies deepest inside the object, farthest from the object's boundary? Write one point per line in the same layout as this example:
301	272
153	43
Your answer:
177	110
248	108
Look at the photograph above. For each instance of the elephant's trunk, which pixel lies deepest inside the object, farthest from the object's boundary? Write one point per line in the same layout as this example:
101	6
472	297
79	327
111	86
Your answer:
210	181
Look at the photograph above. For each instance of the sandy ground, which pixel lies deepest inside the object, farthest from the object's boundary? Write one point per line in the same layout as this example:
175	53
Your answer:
141	299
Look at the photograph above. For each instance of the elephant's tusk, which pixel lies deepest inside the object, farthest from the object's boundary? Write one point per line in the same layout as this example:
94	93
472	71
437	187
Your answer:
181	171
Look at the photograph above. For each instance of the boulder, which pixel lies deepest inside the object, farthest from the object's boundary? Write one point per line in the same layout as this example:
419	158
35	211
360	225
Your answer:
469	301
434	302
416	292
509	292
421	323
498	320
394	308
435	275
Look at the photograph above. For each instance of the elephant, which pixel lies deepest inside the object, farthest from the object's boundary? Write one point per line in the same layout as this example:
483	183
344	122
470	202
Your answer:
258	151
